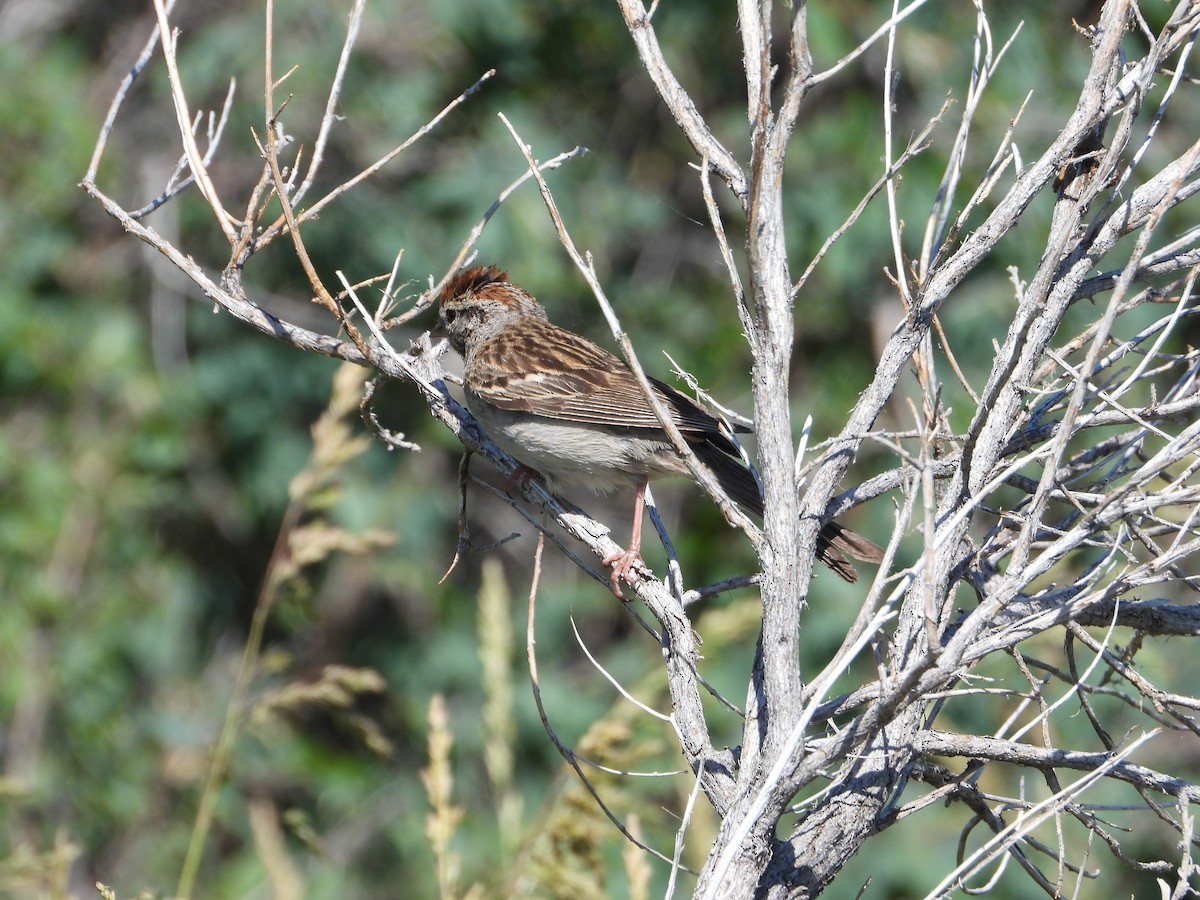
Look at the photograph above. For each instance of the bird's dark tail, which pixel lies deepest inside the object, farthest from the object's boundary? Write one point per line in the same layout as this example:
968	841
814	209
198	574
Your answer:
835	542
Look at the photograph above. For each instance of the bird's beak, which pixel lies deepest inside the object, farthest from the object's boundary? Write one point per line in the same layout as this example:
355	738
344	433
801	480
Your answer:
438	331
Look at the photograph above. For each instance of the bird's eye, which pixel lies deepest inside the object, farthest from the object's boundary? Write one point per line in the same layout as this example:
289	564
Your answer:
450	315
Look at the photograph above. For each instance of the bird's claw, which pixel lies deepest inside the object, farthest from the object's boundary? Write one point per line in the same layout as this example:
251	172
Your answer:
623	565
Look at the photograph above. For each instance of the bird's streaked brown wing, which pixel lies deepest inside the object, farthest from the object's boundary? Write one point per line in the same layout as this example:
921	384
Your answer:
583	383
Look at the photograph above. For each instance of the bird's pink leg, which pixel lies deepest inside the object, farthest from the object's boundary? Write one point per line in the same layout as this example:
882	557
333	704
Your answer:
521	476
623	563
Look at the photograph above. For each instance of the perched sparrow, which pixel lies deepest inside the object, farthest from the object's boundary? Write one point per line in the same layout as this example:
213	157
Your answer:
572	411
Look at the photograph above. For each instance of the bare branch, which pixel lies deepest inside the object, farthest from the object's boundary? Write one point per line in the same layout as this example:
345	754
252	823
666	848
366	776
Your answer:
637	20
169	41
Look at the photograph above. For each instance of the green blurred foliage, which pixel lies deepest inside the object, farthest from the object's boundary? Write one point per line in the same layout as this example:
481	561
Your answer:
147	444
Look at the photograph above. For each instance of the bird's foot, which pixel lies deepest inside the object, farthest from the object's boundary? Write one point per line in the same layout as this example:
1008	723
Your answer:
623	565
521	476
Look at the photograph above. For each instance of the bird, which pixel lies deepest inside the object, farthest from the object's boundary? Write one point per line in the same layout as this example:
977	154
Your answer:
568	410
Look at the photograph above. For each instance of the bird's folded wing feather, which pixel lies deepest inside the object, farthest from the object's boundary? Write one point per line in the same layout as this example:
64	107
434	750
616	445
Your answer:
587	384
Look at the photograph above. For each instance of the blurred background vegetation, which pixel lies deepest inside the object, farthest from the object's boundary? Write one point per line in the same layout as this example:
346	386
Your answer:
147	444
